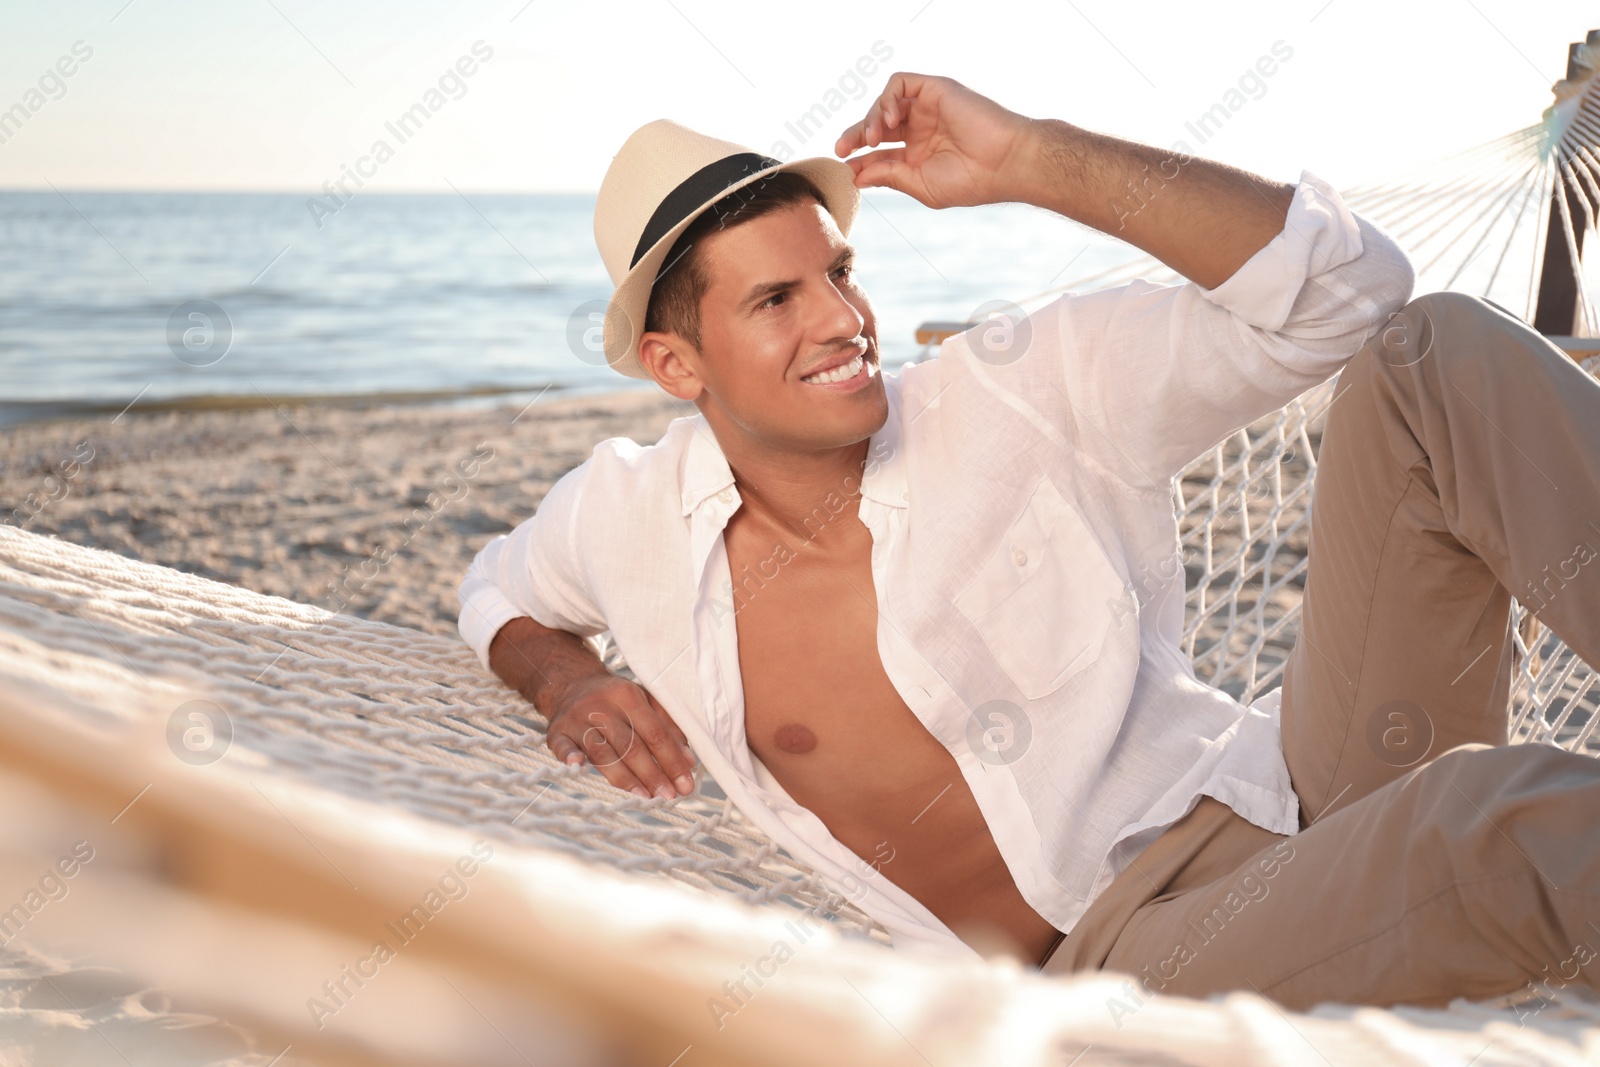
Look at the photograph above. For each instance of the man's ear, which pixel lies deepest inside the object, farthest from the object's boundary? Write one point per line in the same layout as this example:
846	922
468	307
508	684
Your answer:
673	363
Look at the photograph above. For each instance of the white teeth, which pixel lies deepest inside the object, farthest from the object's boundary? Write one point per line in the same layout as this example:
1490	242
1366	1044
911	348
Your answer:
838	374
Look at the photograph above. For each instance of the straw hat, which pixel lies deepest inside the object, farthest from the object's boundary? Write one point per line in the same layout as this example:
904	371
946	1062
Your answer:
663	177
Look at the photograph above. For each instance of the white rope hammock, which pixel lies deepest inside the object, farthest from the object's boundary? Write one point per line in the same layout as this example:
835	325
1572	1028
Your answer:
1472	222
377	718
1244	519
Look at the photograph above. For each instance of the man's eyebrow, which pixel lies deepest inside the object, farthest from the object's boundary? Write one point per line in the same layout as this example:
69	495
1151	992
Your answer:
762	290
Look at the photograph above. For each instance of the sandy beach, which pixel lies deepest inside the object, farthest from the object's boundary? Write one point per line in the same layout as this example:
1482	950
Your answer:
377	511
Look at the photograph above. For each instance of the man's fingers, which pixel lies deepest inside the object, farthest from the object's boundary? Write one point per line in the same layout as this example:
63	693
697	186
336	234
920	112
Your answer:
653	727
609	754
643	764
623	731
649	749
629	738
564	748
672	726
890	103
851	139
607	739
887	168
855	137
893	104
593	748
879	129
884	116
860	162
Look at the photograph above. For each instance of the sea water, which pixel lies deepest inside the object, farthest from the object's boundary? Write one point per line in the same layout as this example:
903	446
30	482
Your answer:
439	296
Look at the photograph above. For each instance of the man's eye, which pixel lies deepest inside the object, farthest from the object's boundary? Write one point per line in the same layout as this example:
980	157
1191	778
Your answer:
847	269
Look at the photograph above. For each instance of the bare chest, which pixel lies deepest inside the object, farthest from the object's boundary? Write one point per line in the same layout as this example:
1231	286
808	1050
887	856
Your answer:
815	690
823	716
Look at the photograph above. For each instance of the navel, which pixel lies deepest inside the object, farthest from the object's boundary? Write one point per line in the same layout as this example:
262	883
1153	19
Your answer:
795	738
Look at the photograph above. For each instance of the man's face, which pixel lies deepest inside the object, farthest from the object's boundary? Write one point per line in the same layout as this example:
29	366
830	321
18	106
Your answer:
782	301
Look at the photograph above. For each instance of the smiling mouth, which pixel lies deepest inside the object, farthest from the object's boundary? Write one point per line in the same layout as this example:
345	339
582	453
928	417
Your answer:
867	362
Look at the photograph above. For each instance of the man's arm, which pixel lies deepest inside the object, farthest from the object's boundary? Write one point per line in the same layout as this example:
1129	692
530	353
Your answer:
1201	218
1286	283
533	574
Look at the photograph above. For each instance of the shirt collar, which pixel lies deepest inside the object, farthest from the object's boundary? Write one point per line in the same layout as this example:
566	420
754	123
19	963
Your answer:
884	478
707	476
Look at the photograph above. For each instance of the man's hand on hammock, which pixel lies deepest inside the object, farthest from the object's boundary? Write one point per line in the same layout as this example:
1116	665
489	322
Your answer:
959	148
593	714
621	729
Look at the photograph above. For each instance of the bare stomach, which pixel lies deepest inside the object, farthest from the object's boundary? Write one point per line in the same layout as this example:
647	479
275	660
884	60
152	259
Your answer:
912	817
824	718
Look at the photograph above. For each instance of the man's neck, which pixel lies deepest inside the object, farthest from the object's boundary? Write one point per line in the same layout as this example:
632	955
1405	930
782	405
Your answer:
799	493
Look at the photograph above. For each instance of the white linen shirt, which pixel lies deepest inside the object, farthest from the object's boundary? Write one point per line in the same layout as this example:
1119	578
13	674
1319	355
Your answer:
1024	554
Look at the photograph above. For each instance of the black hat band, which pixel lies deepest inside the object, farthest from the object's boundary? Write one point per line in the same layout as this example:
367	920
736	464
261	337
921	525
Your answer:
703	185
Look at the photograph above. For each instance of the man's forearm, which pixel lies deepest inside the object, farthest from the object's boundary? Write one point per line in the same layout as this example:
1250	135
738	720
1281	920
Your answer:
1203	219
539	662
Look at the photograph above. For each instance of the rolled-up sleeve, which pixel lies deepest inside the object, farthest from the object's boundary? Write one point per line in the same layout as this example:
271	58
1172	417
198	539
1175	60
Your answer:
1157	374
534	571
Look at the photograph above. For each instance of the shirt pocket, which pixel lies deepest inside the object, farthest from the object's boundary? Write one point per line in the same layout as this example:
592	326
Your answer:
1043	599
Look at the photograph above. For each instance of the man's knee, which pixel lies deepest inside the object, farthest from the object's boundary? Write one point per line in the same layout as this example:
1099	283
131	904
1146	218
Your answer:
1446	305
1453	327
1522	760
1496	788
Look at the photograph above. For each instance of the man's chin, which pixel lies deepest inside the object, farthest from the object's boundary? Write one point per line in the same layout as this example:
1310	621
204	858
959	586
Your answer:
867	413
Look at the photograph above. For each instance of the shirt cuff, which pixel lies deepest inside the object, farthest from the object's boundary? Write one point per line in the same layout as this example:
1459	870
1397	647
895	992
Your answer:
1319	233
484	610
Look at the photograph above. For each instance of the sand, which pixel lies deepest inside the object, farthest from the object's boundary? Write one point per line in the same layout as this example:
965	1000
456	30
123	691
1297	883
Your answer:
304	502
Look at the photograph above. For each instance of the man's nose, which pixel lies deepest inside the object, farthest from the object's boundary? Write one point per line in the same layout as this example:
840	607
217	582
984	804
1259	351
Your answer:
843	319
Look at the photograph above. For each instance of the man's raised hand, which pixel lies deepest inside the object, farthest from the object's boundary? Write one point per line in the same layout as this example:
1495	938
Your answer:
621	729
960	149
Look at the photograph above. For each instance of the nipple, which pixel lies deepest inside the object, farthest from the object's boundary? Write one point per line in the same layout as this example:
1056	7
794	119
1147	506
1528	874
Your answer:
795	738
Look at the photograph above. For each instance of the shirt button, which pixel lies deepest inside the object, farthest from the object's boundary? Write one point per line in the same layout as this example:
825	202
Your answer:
1019	557
725	496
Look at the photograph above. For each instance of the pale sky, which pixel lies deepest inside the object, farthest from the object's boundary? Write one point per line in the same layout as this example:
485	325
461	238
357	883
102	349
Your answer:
280	94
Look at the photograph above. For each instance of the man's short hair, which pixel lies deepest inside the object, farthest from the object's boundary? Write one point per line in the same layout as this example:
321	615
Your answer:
675	297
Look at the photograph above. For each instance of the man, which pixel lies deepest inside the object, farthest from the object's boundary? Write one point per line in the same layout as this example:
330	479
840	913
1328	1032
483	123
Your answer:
923	628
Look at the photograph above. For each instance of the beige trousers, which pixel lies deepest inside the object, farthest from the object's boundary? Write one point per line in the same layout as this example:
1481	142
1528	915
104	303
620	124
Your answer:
1460	461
